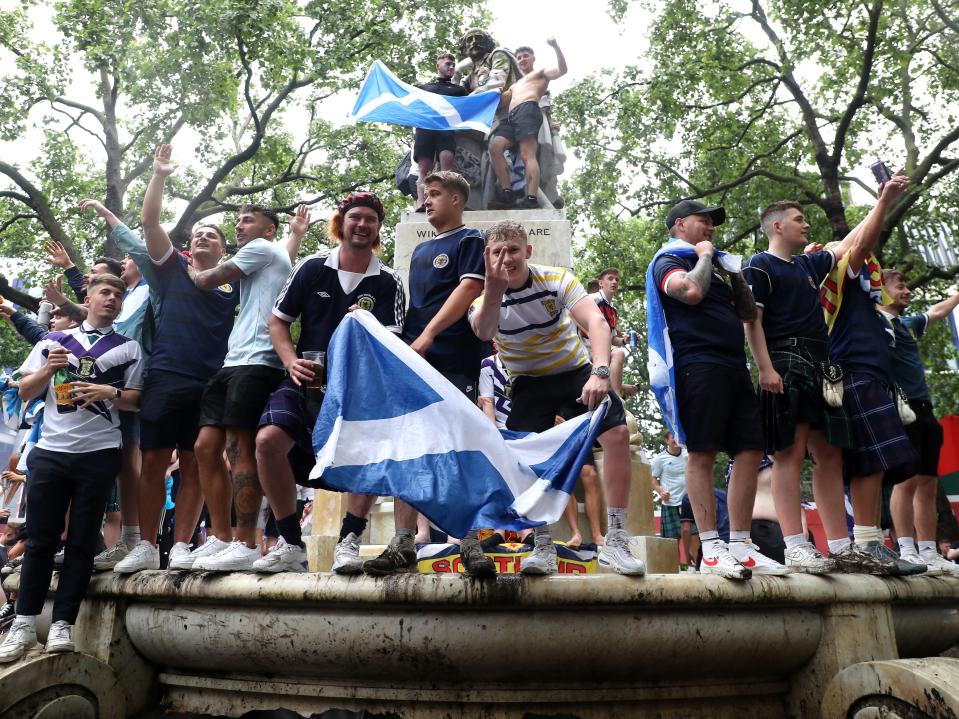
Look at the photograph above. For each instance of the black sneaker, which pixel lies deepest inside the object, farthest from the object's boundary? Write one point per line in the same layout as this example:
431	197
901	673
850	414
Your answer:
421	208
7	615
903	568
492	541
474	561
503	199
395	558
528	203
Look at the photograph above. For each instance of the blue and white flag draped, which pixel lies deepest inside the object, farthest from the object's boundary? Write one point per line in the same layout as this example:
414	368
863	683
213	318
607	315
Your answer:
385	98
662	375
391	425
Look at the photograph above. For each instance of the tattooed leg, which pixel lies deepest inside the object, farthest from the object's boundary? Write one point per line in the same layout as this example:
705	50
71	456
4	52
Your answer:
247	493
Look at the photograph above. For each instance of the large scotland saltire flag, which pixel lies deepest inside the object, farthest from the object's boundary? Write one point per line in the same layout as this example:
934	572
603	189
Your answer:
385	98
662	374
391	425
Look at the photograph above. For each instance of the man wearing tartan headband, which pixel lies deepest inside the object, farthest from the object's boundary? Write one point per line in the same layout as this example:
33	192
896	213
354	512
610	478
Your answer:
364	199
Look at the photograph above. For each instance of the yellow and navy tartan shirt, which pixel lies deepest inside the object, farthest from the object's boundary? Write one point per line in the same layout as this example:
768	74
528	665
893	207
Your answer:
536	334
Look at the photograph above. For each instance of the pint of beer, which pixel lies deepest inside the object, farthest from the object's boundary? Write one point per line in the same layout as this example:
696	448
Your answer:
319	369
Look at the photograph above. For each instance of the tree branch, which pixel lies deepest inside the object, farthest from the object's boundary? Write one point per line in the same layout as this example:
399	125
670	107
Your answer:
15	219
859	98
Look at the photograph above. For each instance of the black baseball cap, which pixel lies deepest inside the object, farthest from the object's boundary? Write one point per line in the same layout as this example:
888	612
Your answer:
685	208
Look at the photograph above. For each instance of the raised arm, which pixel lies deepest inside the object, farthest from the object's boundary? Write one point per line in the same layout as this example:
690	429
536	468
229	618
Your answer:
298	229
560	68
107	216
865	242
485	320
943	309
158	242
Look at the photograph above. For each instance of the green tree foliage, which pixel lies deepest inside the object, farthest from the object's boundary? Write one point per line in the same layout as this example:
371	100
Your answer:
744	103
245	84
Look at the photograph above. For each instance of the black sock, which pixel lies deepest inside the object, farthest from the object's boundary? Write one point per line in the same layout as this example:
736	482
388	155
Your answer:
531	197
289	529
352	523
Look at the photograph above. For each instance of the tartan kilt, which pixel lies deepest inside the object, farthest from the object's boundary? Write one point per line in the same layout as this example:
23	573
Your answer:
880	439
670	525
801	401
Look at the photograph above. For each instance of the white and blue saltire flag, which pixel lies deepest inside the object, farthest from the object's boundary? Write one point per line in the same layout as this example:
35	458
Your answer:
391	425
385	98
662	374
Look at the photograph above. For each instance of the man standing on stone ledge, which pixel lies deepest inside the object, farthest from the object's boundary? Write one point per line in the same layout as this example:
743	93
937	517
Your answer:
531	313
446	275
914	500
86	376
717	406
430	146
522	127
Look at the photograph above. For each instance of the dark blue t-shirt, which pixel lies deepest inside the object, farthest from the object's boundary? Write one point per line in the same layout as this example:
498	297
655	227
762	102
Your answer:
788	293
436	269
907	367
860	339
193	325
314	293
708	332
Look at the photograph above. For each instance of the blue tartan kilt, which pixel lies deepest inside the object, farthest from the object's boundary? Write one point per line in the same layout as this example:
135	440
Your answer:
880	442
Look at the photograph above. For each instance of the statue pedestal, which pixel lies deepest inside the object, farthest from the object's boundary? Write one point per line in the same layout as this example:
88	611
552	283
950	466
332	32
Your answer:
550	234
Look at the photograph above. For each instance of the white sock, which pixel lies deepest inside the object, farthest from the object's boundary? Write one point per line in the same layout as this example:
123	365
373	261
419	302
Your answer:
130	534
541	536
615	518
738	536
794	540
927	549
712	545
28	619
906	546
838	545
863	534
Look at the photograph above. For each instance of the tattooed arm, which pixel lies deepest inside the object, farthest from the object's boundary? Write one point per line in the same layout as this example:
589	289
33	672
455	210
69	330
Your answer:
691	287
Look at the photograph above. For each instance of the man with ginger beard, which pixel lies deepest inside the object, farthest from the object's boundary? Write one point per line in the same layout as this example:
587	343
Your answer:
319	292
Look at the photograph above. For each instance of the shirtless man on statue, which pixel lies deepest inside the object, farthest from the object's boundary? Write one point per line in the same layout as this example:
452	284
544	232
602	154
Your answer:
522	127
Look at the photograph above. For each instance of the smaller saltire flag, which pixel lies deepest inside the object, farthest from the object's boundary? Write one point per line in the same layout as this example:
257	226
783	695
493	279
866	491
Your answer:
385	98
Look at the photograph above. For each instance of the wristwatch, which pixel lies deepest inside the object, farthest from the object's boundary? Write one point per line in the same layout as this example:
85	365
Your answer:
116	394
601	371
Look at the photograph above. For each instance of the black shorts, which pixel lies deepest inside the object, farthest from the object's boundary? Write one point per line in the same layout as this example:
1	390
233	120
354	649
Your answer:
170	411
236	396
926	437
537	401
718	408
428	144
524	120
468	384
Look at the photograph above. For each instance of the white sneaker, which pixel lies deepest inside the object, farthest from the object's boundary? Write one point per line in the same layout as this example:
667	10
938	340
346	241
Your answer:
725	565
179	553
59	639
108	558
542	560
748	554
212	546
806	558
237	557
143	556
346	555
282	558
20	638
938	565
615	554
